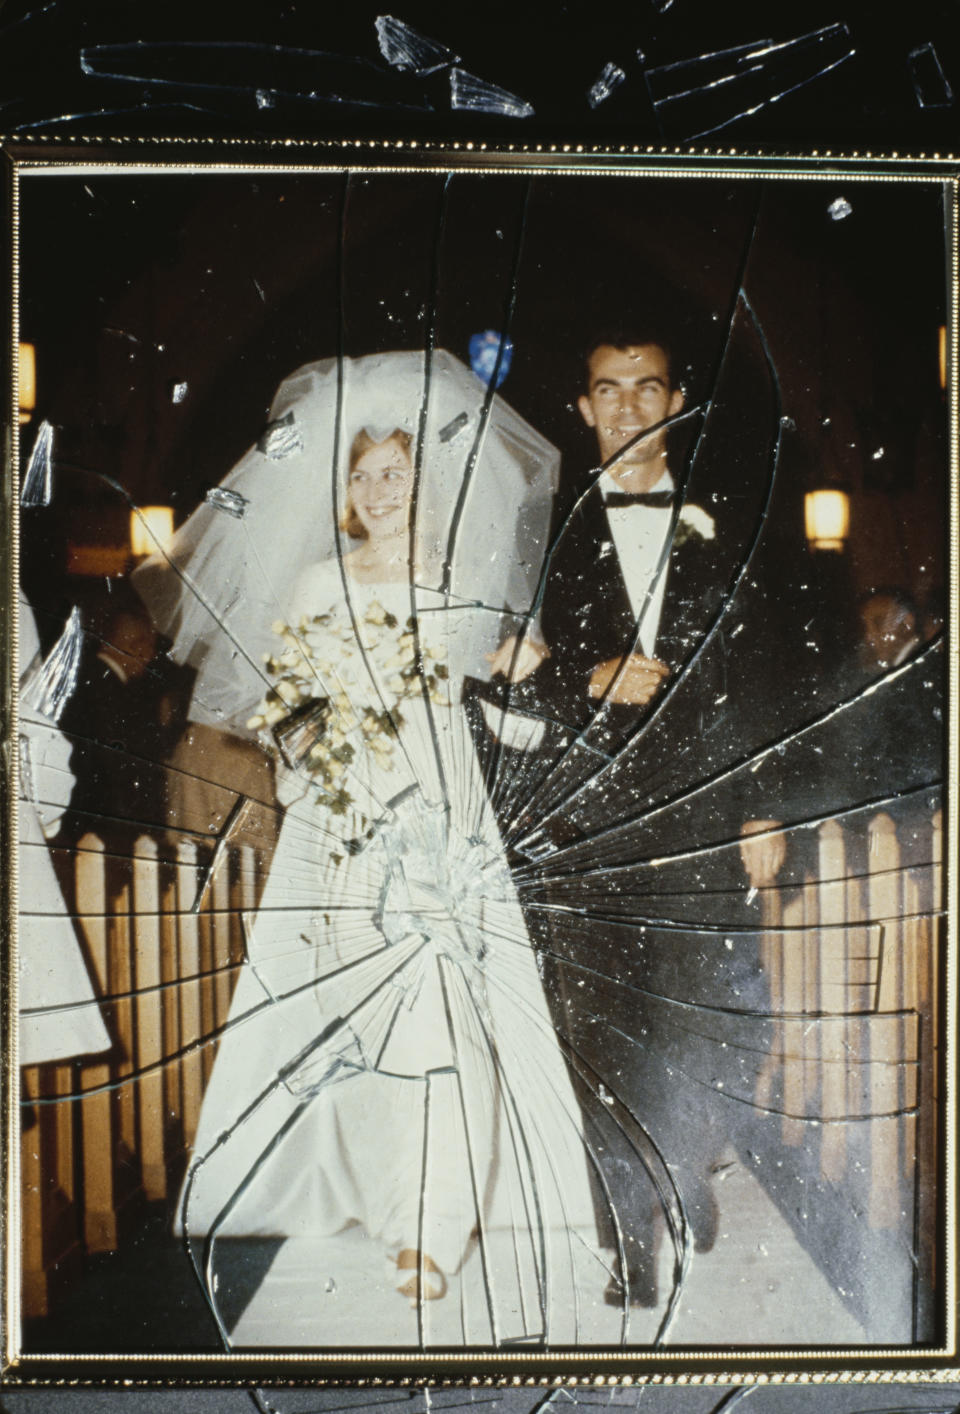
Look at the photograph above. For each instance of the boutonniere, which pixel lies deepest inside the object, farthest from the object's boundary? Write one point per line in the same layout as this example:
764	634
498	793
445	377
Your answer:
694	524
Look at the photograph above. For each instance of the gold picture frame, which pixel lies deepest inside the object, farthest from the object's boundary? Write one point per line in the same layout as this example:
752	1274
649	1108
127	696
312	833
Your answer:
772	804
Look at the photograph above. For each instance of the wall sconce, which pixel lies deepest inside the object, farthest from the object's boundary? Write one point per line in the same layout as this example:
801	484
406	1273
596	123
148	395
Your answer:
27	381
942	353
826	515
151	529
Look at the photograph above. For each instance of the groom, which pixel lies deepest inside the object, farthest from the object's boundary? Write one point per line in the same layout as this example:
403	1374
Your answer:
625	603
630	593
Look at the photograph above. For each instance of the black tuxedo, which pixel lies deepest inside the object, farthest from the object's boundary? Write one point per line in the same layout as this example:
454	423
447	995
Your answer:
587	619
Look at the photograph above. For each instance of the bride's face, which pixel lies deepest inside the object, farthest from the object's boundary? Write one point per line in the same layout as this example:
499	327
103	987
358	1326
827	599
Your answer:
381	484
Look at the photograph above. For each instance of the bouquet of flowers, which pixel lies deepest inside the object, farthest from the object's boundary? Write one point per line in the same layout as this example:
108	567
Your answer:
319	711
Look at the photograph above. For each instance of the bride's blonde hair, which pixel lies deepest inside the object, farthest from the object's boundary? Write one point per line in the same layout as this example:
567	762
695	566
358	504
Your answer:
350	522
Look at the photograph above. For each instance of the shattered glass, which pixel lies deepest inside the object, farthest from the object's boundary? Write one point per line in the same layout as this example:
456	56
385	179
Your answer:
38	478
929	81
476	95
404	48
833	1398
504	849
709	92
610	79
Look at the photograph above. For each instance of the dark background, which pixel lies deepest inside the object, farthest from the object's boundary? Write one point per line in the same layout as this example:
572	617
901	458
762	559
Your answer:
547	55
221	285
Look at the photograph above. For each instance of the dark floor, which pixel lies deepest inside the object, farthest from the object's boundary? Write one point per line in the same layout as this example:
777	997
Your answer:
146	1296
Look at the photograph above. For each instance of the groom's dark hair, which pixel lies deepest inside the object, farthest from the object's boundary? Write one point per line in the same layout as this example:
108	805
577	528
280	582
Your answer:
632	335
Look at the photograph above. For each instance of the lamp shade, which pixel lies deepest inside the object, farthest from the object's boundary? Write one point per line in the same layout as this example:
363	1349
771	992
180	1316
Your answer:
27	388
827	518
151	529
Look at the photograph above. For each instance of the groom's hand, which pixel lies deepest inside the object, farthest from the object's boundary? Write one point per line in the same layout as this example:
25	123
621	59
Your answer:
636	679
528	658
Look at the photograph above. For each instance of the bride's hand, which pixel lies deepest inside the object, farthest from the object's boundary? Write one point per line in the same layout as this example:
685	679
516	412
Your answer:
529	656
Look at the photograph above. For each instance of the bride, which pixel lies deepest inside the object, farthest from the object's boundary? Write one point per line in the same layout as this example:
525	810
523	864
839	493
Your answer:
389	1062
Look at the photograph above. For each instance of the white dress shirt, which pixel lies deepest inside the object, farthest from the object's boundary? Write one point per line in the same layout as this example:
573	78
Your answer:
639	537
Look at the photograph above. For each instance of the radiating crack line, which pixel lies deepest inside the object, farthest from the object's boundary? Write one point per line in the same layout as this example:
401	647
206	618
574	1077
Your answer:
658	923
215	1033
772	98
755	758
684	1004
819	1121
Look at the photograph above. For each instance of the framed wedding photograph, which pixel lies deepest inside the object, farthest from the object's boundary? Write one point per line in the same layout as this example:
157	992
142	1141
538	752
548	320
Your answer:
480	763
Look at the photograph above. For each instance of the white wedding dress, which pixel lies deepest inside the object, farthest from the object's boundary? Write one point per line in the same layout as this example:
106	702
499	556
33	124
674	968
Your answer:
389	1058
59	1014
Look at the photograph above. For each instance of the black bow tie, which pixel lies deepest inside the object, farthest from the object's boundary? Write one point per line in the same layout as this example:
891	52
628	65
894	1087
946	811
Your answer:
617	499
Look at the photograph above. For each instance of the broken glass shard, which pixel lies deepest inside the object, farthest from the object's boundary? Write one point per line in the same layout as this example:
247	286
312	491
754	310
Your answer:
474	95
38	481
197	70
930	83
226	500
404	48
839	209
610	79
694	97
454	426
281	439
51	687
28	782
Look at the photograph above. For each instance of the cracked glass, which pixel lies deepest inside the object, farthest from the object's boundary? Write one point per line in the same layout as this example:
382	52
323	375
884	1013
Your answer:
482	732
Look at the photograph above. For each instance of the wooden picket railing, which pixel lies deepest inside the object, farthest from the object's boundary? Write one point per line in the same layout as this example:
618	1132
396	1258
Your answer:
850	956
166	974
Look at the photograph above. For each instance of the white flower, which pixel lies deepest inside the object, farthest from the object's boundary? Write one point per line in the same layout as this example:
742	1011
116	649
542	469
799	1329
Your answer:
288	692
376	613
698	522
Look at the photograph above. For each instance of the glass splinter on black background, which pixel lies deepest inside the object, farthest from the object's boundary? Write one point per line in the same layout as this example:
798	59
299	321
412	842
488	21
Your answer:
498	842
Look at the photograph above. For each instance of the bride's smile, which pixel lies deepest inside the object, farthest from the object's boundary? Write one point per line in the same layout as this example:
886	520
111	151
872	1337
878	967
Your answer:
381	484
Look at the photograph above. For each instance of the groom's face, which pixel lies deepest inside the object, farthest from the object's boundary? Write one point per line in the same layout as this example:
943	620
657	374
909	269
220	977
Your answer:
628	391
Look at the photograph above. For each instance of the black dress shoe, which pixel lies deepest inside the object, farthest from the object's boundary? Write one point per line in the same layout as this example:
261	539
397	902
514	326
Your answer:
641	1289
